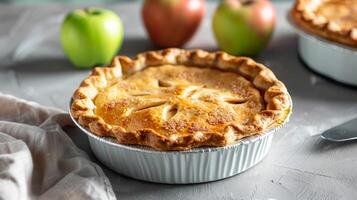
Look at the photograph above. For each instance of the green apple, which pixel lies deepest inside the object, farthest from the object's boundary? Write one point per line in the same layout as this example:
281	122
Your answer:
243	27
91	36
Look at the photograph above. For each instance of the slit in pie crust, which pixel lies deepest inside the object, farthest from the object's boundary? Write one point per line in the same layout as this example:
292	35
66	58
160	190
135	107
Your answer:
177	99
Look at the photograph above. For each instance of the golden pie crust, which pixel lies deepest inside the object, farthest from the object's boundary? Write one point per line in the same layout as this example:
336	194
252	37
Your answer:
176	99
334	20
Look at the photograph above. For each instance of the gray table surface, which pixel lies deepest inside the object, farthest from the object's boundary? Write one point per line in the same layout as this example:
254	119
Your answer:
299	166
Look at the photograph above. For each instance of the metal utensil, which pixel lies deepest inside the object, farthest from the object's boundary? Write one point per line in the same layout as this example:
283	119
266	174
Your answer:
344	132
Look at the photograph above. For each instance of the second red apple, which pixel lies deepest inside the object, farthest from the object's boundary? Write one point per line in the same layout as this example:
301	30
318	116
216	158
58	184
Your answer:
171	23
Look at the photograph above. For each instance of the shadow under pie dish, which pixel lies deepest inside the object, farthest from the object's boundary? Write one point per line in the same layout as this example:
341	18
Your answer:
170	113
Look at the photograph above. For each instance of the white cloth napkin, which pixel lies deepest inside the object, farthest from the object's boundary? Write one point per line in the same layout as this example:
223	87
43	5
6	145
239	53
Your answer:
39	161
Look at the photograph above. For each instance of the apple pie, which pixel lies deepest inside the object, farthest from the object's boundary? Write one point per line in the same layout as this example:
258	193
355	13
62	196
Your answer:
176	99
335	20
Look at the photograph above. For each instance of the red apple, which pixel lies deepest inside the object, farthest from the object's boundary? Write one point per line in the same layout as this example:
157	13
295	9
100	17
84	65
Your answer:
243	27
171	23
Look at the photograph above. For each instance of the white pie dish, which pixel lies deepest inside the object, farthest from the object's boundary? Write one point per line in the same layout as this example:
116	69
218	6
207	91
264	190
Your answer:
180	167
328	58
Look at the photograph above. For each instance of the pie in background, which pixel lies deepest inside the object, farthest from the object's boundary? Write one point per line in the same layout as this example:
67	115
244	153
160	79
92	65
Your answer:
335	20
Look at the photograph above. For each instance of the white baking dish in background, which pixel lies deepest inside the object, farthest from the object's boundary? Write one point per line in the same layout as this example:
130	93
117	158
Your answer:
328	58
181	167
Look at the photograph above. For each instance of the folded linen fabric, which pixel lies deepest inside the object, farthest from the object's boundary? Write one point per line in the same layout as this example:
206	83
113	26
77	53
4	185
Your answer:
39	161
